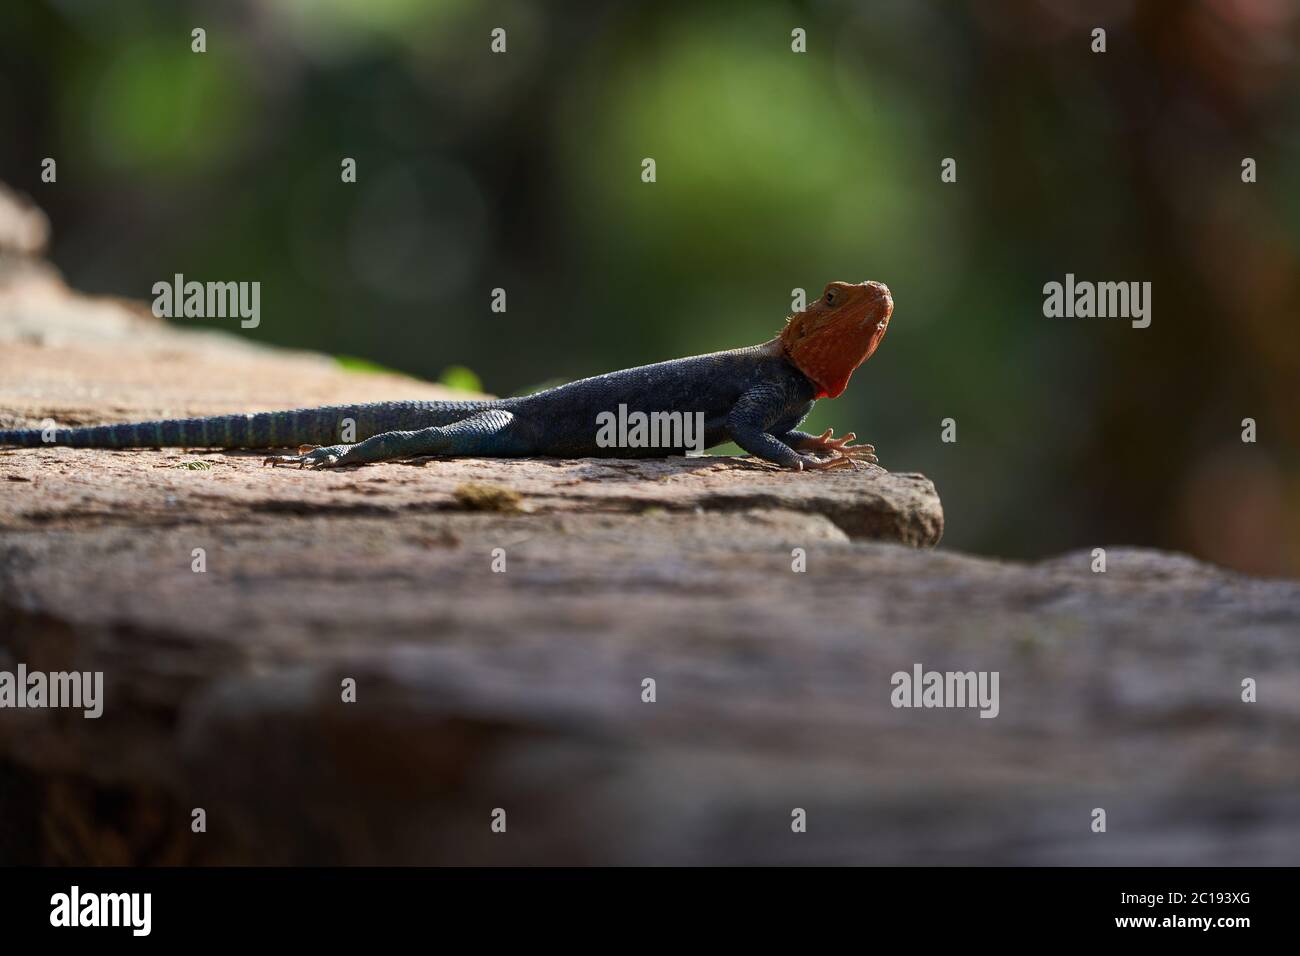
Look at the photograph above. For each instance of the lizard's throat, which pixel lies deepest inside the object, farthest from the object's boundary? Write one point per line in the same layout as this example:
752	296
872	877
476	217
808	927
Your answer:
829	361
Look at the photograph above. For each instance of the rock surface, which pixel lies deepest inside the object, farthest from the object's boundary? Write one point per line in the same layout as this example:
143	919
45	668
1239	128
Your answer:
24	228
523	690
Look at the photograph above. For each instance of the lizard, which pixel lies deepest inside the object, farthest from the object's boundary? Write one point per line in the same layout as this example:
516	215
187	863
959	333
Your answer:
755	396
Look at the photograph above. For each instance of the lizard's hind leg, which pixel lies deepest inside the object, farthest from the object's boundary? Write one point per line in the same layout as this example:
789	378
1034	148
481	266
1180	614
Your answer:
487	433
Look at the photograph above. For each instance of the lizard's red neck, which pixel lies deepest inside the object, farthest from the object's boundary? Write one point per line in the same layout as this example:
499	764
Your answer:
833	336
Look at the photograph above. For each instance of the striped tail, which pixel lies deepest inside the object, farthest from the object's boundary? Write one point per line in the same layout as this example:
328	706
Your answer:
303	426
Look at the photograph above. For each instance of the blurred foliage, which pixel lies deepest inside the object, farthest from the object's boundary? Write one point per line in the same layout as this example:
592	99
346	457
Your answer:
461	379
775	170
363	366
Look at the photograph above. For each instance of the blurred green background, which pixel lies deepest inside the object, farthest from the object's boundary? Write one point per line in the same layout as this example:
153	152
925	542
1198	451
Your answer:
775	170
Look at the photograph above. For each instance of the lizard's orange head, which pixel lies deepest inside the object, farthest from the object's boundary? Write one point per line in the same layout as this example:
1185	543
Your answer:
837	333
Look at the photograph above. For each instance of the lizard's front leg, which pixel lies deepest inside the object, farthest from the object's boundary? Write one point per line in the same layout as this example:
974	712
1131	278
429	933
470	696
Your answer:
749	420
833	447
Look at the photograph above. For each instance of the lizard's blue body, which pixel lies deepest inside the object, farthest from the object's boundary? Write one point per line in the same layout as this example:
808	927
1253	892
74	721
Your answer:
753	396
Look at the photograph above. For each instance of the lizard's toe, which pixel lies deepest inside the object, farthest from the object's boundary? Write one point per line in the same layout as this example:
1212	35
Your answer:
811	463
315	458
859	452
326	461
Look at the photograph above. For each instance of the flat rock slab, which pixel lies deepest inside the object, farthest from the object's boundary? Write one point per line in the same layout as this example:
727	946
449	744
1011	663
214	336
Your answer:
75	360
75	488
499	621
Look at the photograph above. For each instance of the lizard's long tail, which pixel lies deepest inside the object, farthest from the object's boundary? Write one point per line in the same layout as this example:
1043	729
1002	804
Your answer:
303	426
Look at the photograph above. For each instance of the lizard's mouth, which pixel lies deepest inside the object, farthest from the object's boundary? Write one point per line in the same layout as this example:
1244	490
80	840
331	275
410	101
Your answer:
883	306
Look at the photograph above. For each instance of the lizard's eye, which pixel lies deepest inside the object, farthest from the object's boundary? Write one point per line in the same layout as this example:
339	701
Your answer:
830	296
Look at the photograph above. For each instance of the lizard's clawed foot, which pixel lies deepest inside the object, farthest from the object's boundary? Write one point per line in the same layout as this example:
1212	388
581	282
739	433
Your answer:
840	449
313	457
813	463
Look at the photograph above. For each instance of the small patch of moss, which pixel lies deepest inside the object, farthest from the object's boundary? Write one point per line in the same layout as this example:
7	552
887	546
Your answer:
476	496
460	379
363	366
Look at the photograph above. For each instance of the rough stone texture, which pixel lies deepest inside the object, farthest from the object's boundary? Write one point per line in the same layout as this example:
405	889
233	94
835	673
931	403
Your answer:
24	229
522	690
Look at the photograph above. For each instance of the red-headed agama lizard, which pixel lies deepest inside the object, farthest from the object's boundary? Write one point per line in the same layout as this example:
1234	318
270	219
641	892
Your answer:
753	396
